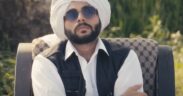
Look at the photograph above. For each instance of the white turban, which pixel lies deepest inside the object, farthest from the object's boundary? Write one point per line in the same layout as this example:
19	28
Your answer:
59	7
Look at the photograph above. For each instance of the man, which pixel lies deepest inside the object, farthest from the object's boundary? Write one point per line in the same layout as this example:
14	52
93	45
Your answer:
84	65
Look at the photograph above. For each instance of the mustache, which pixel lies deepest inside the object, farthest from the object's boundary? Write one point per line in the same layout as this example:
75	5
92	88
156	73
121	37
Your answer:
82	24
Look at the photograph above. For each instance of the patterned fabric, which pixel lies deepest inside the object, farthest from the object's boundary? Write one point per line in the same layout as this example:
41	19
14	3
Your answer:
39	46
146	50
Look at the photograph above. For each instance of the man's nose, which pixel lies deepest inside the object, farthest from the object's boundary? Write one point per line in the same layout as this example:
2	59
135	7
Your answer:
81	18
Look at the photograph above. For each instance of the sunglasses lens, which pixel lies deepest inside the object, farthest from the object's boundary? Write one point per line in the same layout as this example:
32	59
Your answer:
89	11
71	15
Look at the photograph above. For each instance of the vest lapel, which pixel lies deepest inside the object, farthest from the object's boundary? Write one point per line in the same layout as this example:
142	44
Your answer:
106	75
70	71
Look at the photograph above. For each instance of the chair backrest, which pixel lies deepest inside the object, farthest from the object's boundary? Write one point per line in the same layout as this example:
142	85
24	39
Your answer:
147	51
156	62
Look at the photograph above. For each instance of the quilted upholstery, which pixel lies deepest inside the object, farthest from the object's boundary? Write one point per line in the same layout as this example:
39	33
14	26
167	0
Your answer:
146	50
39	46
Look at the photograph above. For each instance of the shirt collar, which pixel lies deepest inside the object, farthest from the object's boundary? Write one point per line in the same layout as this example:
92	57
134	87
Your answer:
71	49
100	45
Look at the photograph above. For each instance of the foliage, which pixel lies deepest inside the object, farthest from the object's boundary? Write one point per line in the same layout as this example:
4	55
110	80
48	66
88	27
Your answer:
169	10
22	20
132	16
30	18
7	63
156	31
178	54
179	79
177	44
156	19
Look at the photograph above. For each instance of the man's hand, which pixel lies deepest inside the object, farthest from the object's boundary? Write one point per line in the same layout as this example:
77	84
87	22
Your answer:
133	91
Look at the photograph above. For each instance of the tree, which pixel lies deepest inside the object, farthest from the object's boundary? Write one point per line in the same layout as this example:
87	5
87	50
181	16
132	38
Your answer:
23	20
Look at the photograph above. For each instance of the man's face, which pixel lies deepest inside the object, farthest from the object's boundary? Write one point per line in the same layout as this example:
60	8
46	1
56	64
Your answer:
82	24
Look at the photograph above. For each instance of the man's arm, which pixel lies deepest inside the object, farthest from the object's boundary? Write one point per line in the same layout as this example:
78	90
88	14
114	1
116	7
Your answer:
133	91
129	75
45	78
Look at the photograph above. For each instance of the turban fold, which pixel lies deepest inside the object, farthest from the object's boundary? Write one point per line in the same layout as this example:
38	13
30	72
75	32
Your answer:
59	7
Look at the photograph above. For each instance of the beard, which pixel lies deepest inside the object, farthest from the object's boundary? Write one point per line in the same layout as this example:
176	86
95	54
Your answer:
74	38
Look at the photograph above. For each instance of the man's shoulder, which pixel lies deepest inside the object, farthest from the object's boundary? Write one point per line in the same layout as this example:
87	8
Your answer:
115	46
54	50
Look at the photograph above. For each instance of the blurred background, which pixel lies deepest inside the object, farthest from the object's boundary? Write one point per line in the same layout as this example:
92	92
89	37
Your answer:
23	20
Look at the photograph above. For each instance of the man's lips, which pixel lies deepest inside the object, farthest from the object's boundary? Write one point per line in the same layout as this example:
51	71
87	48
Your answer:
82	27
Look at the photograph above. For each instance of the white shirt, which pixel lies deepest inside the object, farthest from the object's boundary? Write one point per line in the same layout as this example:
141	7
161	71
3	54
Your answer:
47	82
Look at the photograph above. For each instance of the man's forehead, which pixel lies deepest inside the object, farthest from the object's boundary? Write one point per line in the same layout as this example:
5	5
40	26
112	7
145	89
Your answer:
77	4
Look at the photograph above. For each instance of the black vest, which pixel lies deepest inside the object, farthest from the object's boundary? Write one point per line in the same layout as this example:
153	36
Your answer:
70	71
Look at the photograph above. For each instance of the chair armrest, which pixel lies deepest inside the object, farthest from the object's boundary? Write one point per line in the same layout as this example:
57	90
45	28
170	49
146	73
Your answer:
23	86
165	72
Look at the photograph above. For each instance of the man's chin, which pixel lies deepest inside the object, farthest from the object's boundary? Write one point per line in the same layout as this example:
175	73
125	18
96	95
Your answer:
82	41
83	37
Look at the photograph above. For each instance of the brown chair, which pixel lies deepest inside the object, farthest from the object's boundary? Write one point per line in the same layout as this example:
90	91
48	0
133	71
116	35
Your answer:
156	62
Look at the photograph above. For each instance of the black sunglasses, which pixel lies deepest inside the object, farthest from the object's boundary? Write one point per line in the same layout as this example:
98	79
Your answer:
87	11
